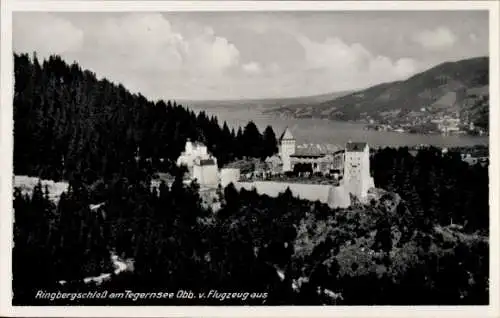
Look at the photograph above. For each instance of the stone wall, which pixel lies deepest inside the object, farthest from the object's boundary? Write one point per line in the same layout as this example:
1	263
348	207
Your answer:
228	175
335	197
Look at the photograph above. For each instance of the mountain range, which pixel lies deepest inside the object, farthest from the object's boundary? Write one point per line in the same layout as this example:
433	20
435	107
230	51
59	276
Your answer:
460	88
264	104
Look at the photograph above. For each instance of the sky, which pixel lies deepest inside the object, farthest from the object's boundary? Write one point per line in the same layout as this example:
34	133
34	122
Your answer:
240	55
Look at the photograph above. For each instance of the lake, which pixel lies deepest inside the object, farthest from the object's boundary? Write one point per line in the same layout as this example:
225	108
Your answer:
319	131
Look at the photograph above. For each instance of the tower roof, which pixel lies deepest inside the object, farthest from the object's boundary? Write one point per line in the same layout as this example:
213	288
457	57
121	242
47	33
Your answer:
309	152
355	146
286	135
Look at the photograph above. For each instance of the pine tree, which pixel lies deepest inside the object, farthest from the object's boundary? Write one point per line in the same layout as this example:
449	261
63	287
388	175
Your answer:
252	140
270	145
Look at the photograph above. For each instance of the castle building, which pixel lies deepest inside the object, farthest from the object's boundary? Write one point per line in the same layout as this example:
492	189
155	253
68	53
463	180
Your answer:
205	172
192	152
351	165
201	165
357	177
274	164
291	157
338	162
286	149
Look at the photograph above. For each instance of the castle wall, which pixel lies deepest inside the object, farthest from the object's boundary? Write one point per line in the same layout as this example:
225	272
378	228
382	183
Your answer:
339	197
335	197
228	175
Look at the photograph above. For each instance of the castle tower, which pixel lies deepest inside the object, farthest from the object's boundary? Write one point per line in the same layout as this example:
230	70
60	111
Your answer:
287	148
189	146
357	177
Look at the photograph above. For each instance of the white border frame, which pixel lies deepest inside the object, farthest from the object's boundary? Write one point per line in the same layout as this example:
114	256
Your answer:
6	139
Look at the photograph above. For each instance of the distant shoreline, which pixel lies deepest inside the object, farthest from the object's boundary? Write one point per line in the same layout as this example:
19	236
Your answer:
328	131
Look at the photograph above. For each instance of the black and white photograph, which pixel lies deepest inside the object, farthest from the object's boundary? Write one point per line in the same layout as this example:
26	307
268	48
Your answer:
250	158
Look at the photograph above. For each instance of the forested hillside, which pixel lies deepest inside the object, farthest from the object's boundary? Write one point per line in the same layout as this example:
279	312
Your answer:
69	124
407	253
425	241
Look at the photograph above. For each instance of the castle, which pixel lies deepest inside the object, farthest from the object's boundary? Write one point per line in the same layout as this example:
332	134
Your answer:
286	149
357	178
351	165
201	165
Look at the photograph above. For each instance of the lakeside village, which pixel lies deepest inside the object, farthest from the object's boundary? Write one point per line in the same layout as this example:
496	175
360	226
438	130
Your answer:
422	123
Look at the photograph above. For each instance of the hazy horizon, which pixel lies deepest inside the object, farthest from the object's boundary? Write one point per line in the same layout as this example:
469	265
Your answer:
215	56
325	93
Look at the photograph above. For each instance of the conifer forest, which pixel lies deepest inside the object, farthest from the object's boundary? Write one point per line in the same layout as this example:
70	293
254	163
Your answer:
425	242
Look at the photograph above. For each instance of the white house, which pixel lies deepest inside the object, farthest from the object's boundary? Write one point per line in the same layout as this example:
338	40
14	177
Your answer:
205	172
201	165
